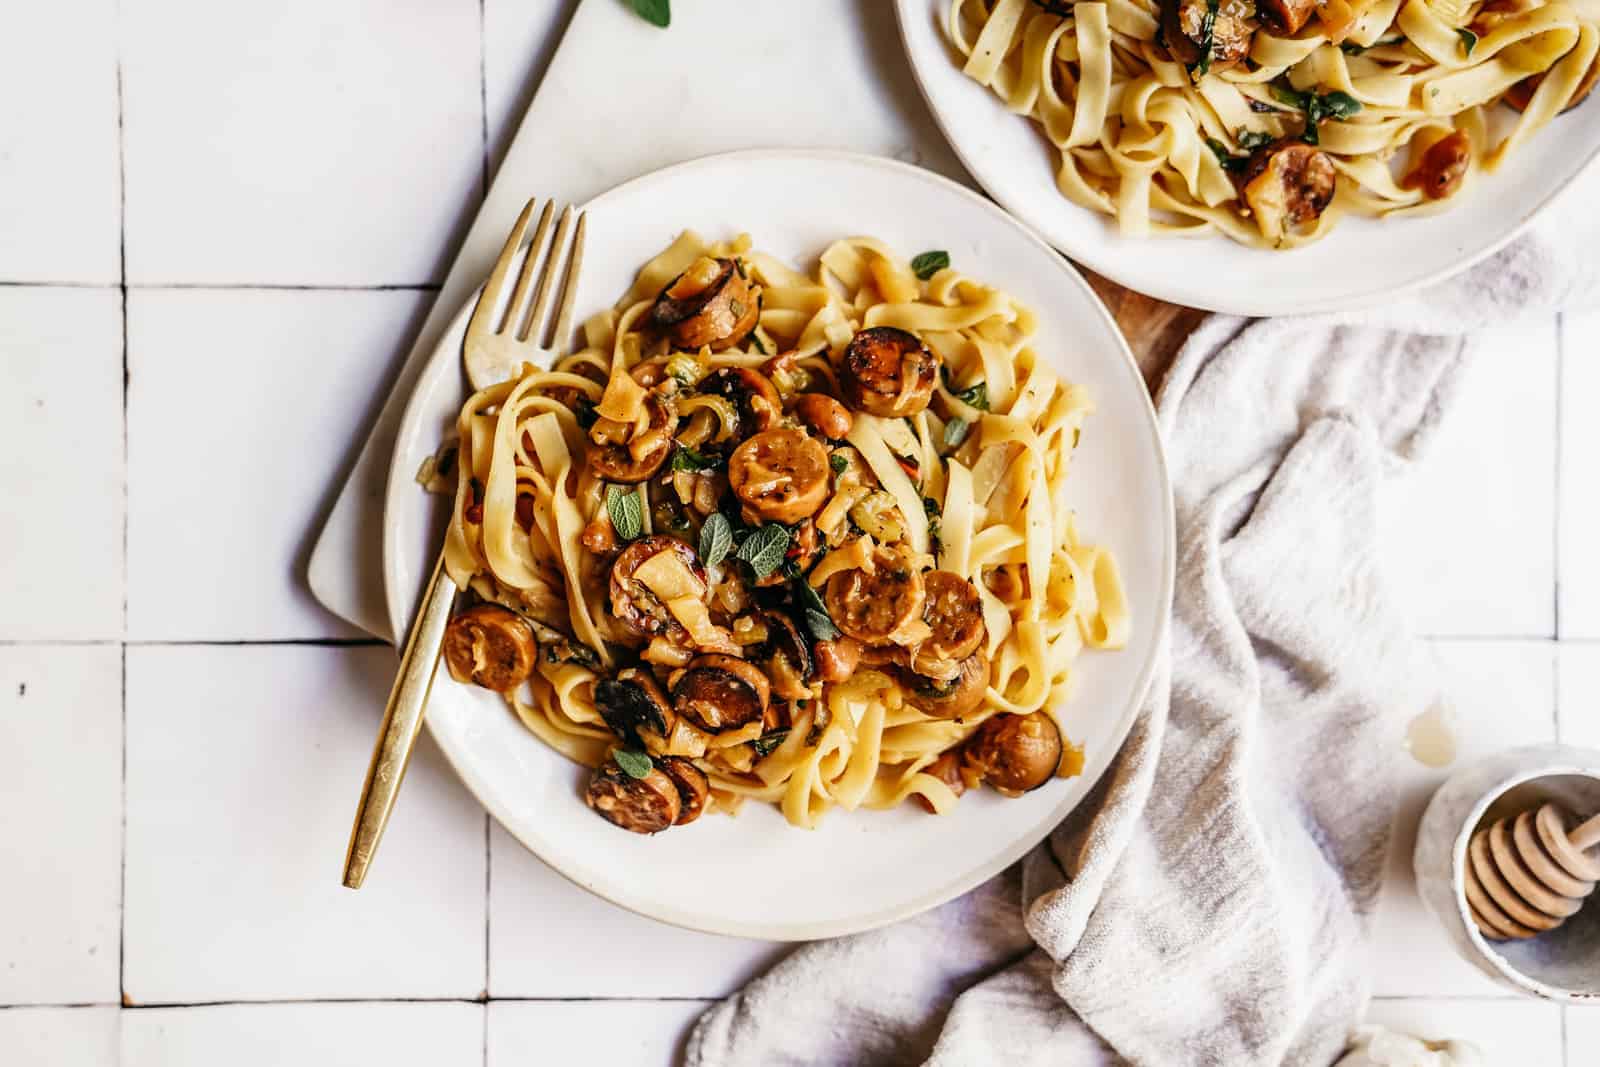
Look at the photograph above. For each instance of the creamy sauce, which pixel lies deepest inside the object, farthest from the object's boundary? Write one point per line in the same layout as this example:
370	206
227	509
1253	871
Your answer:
1431	737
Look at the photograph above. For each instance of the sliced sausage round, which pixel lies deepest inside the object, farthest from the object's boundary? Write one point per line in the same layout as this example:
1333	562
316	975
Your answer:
1287	184
634	605
645	805
782	475
719	692
872	607
752	393
712	303
631	702
888	372
1016	753
1442	168
694	788
491	646
954	613
617	463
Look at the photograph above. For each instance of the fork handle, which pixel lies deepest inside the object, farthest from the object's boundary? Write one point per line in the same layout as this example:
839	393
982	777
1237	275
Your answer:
402	719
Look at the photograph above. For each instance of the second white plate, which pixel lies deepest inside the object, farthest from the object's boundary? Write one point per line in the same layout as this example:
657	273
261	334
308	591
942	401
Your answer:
753	875
1362	262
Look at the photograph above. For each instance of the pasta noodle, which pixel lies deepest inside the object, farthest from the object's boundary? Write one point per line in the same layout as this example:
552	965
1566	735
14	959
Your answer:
912	603
1269	120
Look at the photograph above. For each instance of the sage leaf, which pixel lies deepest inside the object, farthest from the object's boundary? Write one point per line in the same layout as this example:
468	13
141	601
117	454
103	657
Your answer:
928	264
716	539
627	512
634	764
655	12
764	549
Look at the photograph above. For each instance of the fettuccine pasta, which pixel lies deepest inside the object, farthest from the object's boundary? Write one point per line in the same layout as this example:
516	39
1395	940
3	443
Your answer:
1269	120
803	538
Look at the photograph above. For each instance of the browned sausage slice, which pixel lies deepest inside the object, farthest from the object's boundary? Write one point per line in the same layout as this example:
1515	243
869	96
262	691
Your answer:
1016	753
872	607
888	372
1288	184
491	646
953	699
645	805
1183	27
954	613
617	462
824	414
1285	17
711	303
631	702
1442	168
632	603
694	788
781	474
718	693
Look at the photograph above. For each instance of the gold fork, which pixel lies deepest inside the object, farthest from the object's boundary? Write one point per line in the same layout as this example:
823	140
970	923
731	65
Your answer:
504	333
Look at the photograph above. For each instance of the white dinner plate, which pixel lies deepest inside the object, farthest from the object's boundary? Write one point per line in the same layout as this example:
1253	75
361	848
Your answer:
752	874
1362	262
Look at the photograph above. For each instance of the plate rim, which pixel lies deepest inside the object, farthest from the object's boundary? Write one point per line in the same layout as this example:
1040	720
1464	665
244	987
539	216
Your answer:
1088	256
400	604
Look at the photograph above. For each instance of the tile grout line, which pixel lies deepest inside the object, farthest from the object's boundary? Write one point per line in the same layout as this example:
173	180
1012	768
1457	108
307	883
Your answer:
122	269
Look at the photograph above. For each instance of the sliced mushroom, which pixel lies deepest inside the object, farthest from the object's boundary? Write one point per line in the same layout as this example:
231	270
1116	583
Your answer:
1520	95
1183	24
947	768
782	475
1016	753
1442	168
645	805
824	414
1287	184
718	693
632	463
955	615
632	603
631	702
710	304
752	394
873	607
788	657
491	646
950	700
1286	17
888	372
694	788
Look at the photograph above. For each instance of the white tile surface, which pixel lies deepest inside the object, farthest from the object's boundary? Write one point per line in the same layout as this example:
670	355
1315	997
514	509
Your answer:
60	459
61	827
1578	694
1509	1033
245	407
244	765
304	1035
58	1037
519	39
1470	531
616	1034
1583	1037
60	181
307	143
1503	694
1580	477
548	938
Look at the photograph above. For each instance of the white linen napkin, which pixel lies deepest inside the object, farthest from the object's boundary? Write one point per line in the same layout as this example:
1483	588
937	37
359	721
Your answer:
1209	903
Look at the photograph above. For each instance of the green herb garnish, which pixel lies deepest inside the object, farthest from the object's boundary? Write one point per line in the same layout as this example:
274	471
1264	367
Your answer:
687	459
634	764
928	264
764	549
1318	107
756	343
976	396
655	12
814	613
955	431
1469	41
716	538
1208	39
626	510
838	462
766	744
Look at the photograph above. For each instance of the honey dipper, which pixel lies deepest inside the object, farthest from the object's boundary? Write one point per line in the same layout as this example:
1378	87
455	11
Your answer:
1527	874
